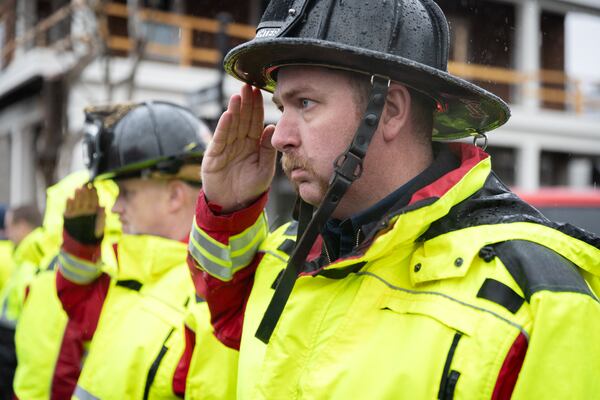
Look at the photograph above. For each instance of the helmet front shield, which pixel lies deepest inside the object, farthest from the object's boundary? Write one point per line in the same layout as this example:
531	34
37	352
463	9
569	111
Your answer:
280	17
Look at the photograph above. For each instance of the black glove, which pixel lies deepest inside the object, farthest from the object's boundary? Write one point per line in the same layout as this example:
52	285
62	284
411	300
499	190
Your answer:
82	229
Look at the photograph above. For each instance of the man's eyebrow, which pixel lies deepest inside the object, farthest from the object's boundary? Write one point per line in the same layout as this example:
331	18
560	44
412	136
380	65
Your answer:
277	97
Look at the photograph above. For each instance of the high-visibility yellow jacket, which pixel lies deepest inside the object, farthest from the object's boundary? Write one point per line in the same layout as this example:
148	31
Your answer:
39	334
38	248
28	255
6	261
139	337
465	293
37	338
40	329
209	375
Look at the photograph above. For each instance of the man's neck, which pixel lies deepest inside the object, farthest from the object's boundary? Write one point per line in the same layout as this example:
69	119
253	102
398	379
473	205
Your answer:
336	231
377	183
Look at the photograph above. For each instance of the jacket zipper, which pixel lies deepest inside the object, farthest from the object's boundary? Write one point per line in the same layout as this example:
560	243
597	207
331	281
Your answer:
356	243
326	253
154	367
449	378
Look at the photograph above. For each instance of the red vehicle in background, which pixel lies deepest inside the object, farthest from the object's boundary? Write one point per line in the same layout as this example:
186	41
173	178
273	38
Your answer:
577	207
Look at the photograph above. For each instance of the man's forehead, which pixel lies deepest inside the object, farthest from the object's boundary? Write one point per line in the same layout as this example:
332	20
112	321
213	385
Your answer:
140	183
292	89
293	72
128	183
299	78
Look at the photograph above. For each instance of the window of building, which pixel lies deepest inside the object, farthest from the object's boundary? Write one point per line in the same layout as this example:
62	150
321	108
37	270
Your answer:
553	168
578	171
481	32
503	163
553	60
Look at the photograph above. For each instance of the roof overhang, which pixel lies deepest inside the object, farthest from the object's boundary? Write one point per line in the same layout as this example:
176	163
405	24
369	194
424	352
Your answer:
24	76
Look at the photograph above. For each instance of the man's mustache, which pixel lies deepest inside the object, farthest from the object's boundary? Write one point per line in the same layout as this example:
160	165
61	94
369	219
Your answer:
290	162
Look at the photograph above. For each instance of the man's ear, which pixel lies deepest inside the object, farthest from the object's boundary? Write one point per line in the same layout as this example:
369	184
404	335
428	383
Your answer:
397	111
175	195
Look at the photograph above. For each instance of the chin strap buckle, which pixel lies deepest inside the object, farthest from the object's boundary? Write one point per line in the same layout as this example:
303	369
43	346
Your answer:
349	166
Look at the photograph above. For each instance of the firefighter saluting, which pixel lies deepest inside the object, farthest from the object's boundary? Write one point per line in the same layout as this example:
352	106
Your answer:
130	320
419	275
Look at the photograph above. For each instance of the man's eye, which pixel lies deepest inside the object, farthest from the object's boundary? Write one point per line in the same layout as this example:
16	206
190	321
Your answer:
306	103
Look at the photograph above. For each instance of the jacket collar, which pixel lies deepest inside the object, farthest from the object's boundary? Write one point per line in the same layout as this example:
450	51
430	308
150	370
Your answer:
341	237
447	223
433	202
417	209
146	258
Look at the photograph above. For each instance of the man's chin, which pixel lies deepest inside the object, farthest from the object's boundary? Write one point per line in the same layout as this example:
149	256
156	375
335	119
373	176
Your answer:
308	193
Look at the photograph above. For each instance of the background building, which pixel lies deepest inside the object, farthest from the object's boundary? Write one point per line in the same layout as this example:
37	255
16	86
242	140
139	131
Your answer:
58	56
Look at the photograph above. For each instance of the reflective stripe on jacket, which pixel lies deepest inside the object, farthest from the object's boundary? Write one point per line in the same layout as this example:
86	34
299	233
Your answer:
436	304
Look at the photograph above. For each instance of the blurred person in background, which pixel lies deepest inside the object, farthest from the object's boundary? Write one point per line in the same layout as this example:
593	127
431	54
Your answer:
21	221
6	267
23	229
41	325
2	214
131	321
6	249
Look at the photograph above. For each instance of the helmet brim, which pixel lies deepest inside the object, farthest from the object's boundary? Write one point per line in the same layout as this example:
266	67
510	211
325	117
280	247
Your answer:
464	109
140	169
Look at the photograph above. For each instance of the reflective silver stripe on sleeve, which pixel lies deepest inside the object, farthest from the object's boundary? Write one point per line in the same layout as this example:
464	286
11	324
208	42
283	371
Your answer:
82	394
77	270
206	264
247	240
208	244
220	260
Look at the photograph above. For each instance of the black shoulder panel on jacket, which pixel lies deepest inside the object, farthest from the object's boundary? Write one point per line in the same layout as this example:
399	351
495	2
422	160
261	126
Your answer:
535	267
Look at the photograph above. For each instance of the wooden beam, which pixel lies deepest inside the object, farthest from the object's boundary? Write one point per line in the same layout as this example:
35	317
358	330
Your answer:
487	73
199	54
183	21
186	45
241	31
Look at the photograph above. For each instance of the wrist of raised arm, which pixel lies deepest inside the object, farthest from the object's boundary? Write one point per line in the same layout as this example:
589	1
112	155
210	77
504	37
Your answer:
209	216
90	252
79	263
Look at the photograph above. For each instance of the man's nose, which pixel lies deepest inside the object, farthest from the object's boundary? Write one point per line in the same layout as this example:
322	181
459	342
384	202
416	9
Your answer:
286	136
117	208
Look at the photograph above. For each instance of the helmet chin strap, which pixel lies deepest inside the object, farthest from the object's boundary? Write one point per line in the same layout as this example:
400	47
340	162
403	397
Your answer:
347	168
